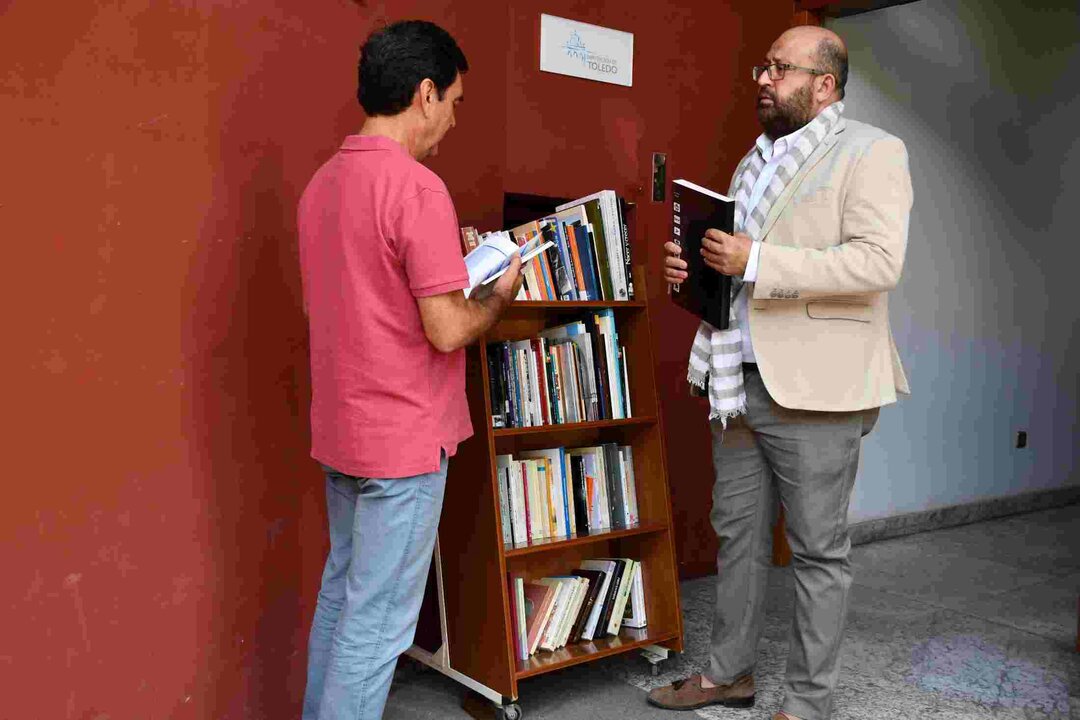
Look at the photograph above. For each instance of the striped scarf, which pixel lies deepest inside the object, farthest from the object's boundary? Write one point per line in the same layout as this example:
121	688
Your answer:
716	356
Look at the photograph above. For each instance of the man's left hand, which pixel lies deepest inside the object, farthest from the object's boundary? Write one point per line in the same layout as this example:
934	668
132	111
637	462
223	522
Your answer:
727	254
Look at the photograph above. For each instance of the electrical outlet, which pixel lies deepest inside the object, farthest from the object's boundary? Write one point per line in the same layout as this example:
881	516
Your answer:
1021	439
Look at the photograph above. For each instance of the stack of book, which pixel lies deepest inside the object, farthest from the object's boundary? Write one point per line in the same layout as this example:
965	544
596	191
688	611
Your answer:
563	492
590	254
570	373
597	599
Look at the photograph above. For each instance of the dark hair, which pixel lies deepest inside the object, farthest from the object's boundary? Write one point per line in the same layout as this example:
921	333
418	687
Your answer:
831	57
395	59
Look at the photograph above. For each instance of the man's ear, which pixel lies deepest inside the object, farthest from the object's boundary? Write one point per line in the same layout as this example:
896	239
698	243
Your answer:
830	85
427	94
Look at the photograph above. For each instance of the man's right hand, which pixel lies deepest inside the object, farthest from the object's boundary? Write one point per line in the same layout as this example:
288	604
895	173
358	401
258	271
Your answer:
674	266
509	283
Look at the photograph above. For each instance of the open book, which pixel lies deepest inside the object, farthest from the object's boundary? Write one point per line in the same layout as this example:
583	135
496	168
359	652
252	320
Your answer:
491	257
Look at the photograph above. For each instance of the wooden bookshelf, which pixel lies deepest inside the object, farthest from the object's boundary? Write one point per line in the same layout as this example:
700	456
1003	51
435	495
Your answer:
476	565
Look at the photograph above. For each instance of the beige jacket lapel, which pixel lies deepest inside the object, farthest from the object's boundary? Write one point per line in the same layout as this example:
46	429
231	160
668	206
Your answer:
820	152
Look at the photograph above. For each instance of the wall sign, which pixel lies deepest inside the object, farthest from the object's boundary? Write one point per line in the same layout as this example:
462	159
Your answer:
568	47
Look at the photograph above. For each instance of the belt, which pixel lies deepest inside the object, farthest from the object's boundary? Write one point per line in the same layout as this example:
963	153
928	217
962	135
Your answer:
749	367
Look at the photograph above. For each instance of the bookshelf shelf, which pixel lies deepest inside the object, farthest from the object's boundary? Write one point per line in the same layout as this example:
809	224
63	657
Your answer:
627	639
467	627
572	427
561	543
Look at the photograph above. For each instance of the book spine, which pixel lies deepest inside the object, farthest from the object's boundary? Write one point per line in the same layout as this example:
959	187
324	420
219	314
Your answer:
563	286
613	236
603	392
609	601
625	584
526	499
613	465
513	392
580	494
580	254
625	383
604	277
628	265
504	506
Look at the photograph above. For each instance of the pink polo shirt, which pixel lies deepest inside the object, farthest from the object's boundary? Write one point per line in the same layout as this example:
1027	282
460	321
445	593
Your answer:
378	230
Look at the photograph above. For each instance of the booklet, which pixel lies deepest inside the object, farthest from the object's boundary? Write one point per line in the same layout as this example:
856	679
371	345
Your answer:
491	258
695	209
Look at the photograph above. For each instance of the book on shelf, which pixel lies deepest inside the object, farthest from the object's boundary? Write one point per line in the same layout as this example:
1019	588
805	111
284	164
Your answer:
576	372
605	213
580	252
593	601
695	209
634	616
539	601
491	257
565	492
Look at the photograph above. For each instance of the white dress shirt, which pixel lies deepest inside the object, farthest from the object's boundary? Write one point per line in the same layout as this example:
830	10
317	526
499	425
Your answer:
772	153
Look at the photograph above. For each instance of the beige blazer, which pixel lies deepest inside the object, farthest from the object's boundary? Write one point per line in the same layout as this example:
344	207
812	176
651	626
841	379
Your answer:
833	247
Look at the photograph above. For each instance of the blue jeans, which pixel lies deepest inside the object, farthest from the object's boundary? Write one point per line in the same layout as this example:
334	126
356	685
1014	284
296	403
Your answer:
382	534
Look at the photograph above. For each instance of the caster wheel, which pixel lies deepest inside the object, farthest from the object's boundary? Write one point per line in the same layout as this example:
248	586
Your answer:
509	712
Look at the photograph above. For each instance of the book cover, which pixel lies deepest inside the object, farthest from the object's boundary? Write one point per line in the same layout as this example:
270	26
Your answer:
618	609
502	476
635	616
613	467
559	604
706	293
538	605
626	453
595	579
564	286
600	247
605	322
603	623
580	493
592	626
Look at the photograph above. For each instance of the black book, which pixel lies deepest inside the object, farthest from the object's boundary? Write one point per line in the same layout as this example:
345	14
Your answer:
614	485
706	293
596	581
609	601
581	495
626	250
603	392
498	407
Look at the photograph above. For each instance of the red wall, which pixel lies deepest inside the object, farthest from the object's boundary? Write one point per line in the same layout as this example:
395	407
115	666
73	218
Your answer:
162	533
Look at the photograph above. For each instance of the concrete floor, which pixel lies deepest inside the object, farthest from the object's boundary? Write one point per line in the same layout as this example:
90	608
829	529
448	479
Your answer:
976	621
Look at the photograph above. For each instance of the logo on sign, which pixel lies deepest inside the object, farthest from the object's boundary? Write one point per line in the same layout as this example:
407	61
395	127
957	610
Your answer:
575	48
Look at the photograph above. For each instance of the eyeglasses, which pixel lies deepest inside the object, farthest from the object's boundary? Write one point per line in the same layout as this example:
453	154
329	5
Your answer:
778	70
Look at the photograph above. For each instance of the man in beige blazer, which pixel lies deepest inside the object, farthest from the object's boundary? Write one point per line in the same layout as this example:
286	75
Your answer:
821	243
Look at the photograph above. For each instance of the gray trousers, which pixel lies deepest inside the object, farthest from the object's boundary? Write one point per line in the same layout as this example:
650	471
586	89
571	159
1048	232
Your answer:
808	460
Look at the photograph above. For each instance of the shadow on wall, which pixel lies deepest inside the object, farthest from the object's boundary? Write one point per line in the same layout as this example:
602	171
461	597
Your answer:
246	424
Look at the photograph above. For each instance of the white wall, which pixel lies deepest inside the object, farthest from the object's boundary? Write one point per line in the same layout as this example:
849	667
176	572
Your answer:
987	98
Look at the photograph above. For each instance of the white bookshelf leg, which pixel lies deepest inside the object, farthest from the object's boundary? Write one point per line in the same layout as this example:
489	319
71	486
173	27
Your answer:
440	659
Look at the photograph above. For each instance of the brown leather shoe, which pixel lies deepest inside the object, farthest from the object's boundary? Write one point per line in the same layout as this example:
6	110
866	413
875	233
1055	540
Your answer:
687	694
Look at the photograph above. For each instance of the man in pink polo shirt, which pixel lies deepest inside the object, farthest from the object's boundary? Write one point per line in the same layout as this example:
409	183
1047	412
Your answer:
383	278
